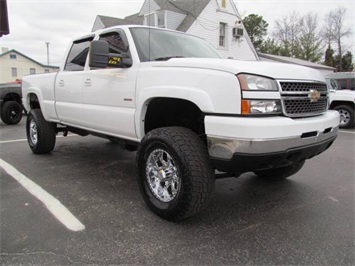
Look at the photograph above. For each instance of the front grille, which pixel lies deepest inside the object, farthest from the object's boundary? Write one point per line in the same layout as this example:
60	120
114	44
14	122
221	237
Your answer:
297	98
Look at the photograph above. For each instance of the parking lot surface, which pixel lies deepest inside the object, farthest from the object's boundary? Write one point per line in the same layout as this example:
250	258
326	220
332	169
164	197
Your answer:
307	219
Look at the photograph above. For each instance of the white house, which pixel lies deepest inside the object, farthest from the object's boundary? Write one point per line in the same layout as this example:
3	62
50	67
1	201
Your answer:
14	65
216	21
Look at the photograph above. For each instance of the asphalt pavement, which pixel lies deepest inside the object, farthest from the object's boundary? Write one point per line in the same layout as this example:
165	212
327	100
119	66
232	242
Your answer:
307	219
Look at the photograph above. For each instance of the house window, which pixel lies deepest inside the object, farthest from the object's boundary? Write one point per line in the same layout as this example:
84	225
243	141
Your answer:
161	19
13	56
222	34
150	20
14	71
224	3
46	71
155	20
32	71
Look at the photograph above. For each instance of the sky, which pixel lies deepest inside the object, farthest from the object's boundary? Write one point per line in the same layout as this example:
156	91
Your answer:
35	22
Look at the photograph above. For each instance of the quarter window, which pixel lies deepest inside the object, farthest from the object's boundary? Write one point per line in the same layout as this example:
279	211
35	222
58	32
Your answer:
77	56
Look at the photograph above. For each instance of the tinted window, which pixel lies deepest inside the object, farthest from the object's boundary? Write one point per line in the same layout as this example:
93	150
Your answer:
77	56
114	41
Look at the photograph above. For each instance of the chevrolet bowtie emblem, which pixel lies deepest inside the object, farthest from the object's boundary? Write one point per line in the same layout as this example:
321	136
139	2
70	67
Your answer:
314	95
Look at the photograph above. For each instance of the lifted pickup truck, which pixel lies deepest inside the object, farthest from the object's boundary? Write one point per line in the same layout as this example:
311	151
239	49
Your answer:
188	111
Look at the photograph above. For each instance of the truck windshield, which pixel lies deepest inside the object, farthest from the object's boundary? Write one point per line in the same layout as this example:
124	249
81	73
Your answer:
160	45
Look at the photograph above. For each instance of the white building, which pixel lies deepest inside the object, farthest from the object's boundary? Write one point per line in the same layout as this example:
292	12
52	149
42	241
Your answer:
216	21
14	65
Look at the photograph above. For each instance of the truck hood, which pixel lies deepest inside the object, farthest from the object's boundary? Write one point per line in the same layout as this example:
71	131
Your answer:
269	69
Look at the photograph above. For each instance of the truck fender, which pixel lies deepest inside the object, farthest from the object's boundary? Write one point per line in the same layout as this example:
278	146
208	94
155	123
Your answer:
198	97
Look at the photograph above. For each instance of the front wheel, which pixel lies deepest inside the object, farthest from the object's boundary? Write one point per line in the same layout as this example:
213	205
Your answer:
346	116
174	174
280	173
41	135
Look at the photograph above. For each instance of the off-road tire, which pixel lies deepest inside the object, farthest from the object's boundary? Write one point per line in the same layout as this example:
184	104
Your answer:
11	112
280	173
193	170
348	120
41	135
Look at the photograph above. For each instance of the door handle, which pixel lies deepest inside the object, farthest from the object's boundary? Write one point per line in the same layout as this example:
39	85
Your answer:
61	83
87	83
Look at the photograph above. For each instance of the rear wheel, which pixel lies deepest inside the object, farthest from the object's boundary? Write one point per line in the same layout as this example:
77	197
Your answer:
41	135
174	174
346	116
11	112
280	173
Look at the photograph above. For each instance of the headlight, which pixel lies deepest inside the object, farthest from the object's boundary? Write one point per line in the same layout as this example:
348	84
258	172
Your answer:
256	83
256	107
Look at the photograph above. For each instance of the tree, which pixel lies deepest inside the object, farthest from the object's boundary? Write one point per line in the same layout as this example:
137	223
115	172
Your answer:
287	33
270	46
256	27
329	57
309	40
336	30
346	61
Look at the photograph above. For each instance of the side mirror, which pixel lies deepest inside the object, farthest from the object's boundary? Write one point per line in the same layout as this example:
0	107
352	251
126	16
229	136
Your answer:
100	56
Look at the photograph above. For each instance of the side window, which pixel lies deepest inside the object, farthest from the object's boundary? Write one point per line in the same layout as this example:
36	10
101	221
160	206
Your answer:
77	55
114	41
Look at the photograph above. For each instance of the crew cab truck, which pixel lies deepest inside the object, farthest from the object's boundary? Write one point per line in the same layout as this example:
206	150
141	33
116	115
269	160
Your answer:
190	113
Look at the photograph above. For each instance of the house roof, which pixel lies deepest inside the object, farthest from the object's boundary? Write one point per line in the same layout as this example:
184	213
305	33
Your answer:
111	21
192	9
291	60
29	58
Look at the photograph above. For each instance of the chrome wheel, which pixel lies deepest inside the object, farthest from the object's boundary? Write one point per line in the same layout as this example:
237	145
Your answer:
33	132
162	175
344	117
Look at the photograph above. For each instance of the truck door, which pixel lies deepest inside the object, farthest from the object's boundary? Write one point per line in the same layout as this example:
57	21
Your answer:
109	94
69	83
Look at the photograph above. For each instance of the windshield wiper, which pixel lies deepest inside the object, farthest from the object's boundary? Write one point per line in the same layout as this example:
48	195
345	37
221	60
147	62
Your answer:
167	58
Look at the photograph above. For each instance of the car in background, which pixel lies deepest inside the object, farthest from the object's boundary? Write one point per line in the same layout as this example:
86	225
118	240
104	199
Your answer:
342	100
346	80
11	103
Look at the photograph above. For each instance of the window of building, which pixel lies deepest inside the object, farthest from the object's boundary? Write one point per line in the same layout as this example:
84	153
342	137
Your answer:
155	20
161	19
77	56
14	71
222	34
150	20
13	56
224	3
32	71
46	71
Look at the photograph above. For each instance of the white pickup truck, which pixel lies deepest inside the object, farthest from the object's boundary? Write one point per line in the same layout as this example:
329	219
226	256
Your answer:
192	115
342	100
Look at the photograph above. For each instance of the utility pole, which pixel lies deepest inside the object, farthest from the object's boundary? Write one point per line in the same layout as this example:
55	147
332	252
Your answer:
47	43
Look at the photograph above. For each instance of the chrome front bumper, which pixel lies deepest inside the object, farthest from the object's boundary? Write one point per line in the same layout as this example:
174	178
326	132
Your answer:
224	148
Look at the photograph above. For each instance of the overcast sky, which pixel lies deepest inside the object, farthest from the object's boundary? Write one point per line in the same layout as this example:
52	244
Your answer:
34	22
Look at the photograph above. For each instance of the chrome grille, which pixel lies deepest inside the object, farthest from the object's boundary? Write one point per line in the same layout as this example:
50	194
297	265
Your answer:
297	101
